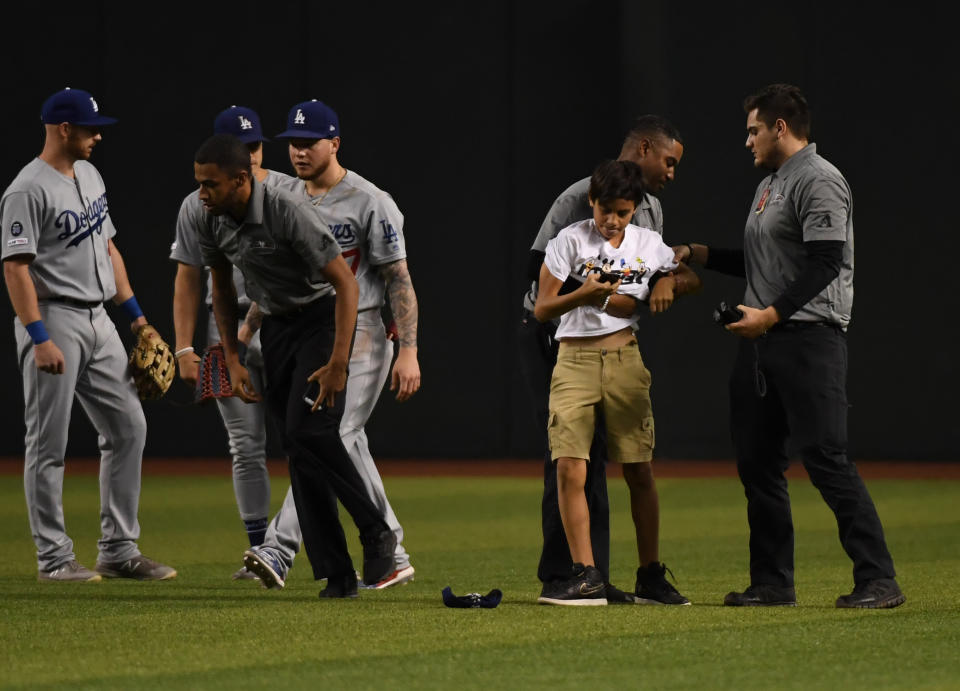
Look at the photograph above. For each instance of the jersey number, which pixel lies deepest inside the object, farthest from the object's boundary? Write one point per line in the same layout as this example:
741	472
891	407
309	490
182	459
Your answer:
353	258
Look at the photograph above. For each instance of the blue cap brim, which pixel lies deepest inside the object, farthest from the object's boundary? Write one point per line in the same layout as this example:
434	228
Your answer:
99	120
252	138
304	134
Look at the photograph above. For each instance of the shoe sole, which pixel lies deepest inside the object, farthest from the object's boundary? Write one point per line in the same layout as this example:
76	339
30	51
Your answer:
882	604
95	578
647	601
106	573
399	577
244	574
586	602
270	578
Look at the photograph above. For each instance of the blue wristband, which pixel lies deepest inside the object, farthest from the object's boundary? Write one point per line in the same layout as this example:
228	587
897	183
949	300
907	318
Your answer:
38	332
131	308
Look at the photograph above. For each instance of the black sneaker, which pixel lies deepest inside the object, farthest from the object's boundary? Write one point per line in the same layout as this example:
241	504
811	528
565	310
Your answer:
615	596
763	595
585	588
340	586
653	587
378	549
881	593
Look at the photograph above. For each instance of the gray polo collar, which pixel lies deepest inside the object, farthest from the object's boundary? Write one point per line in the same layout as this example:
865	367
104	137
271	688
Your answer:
797	160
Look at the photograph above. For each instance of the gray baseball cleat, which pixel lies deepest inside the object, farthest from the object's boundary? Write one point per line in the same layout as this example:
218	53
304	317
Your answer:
266	565
71	571
139	568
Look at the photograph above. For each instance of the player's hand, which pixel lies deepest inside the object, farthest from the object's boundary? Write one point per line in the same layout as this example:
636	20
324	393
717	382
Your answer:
594	292
681	253
240	383
405	379
755	322
188	365
331	380
49	357
661	297
137	323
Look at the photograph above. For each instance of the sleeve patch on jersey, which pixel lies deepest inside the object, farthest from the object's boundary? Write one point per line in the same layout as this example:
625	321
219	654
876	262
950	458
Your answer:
16	228
18	241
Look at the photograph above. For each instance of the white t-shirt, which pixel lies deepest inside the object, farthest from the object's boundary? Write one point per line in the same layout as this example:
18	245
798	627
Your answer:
581	249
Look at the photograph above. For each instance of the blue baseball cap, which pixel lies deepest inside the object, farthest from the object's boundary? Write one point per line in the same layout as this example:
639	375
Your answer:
311	120
242	123
74	106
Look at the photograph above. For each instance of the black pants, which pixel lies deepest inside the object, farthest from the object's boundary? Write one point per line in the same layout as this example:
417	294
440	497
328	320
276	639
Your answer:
538	353
803	370
321	472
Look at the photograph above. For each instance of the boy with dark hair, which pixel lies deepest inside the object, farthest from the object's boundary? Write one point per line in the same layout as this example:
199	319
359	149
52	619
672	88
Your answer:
599	366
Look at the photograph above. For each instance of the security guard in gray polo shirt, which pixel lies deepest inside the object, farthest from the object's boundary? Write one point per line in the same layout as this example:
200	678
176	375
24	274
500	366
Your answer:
790	375
294	271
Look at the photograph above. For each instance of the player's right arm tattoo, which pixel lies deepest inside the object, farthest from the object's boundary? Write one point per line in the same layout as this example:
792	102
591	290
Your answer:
254	318
403	301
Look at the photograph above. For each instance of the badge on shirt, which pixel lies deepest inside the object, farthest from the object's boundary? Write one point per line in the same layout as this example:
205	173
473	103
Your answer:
763	201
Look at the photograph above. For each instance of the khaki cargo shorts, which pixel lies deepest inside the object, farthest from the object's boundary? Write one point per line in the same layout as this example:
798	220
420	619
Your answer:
612	379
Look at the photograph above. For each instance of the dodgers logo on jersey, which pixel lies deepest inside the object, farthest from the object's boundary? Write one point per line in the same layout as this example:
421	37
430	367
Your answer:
389	234
16	228
84	224
343	233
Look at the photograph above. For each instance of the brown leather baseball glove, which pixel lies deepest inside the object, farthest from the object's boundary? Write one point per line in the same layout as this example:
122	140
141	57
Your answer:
152	364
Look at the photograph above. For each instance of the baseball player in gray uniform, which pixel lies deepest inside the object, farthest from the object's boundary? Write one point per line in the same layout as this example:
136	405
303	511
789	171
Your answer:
368	226
655	145
244	423
60	264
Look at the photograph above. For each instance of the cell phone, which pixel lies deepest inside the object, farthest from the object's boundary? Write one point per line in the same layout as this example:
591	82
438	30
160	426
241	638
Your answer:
608	277
724	314
310	395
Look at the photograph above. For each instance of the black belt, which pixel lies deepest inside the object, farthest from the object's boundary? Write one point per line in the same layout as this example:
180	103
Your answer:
74	302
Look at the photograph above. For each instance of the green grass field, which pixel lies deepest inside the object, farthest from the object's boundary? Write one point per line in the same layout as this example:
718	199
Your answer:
205	631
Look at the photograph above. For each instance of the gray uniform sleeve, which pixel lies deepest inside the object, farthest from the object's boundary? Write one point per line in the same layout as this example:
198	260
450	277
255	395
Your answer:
21	216
385	241
823	205
186	245
566	210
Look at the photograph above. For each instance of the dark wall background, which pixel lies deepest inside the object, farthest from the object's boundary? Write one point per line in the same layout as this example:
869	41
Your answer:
475	117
